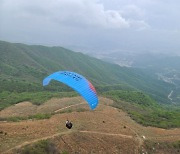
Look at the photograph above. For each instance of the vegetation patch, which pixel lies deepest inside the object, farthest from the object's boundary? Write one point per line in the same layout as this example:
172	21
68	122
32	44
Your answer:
38	116
144	109
156	147
9	98
41	147
66	111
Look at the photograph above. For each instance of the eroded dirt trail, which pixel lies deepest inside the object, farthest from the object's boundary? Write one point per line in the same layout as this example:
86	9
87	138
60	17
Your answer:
110	134
68	107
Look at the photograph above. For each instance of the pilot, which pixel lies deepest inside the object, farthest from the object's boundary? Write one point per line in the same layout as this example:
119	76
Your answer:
69	124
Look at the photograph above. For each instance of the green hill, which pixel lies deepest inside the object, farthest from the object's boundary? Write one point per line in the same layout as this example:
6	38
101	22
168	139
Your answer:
23	67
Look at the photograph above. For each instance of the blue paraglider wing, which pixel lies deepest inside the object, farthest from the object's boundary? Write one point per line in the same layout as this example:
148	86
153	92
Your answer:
78	83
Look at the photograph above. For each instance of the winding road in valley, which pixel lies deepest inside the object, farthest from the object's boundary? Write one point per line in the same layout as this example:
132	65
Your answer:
169	96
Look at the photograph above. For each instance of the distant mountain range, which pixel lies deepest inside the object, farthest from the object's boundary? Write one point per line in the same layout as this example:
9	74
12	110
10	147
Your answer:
23	67
161	66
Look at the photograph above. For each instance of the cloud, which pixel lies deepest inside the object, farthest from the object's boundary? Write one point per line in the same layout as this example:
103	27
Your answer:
72	13
87	13
133	11
107	24
139	25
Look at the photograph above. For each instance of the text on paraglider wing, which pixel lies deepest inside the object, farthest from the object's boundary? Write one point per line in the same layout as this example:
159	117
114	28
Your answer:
74	76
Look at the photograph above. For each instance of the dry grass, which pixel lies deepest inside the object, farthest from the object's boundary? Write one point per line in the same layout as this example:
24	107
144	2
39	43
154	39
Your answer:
104	129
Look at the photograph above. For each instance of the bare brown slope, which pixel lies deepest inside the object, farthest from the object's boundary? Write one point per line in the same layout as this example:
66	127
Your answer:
105	129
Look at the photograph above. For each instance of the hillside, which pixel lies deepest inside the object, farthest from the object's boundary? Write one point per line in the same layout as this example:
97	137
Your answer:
144	110
104	129
22	68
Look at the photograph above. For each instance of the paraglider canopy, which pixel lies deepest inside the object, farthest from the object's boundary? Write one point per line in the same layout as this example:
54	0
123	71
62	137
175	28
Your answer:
78	83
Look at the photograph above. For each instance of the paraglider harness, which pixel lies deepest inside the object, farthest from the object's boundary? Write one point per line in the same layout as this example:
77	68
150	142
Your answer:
69	124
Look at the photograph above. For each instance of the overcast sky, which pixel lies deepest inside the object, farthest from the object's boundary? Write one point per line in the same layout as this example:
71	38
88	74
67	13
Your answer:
102	25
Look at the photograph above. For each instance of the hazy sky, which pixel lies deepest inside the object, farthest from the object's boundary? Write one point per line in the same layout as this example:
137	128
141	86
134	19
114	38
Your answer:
104	25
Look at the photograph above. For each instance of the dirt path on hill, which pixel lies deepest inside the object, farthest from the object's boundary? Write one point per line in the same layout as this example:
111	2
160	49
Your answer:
68	107
110	134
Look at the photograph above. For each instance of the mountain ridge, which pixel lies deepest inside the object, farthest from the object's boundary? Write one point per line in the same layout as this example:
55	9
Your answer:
29	64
